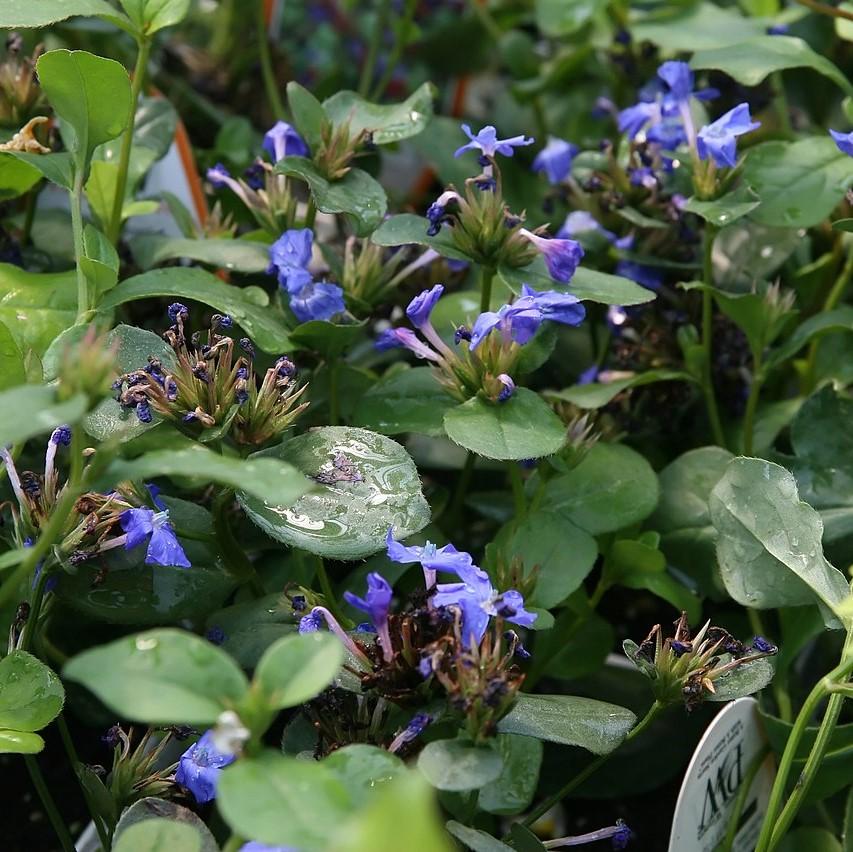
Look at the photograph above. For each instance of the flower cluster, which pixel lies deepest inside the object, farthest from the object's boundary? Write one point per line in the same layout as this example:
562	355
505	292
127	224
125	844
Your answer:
264	192
290	256
99	522
684	667
494	340
210	386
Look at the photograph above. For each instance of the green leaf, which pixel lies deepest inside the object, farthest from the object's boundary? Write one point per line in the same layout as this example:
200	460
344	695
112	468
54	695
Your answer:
161	809
266	479
133	346
587	284
24	14
20	742
502	430
746	679
297	668
560	18
31	695
475	839
811	838
769	543
29	410
378	827
542	541
279	800
598	394
570	720
12	370
703	26
161	677
840	319
408	229
99	261
36	307
459	765
265	328
512	791
751	62
151	250
348	520
798	182
364	770
385	122
612	488
90	94
159	835
57	168
726	210
330	339
16	177
308	113
820	431
357	194
152	15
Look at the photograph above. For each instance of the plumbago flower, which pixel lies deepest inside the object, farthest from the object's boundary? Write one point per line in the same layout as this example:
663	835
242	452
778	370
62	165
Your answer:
685	668
265	193
211	386
290	255
555	160
844	141
467	372
718	140
199	768
99	522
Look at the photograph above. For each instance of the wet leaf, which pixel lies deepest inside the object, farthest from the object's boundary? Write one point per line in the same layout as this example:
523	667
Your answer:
350	518
512	791
458	765
30	410
31	694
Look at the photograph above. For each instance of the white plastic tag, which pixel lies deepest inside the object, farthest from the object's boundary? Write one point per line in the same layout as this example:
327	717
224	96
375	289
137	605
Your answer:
714	777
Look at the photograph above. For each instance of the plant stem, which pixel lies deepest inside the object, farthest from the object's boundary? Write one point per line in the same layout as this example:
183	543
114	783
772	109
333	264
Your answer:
79	250
233	843
486	277
832	300
826	9
30	213
48	804
143	50
326	588
517	490
707	331
71	752
400	43
270	83
310	213
740	800
239	565
369	67
752	404
587	771
773	828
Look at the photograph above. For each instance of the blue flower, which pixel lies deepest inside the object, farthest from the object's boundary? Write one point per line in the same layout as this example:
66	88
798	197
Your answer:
777	29
412	731
177	311
643	176
199	768
562	256
634	118
844	141
431	558
564	308
255	846
487	142
478	601
645	276
317	301
589	375
508	388
143	411
394	338
376	604
282	140
517	322
255	176
437	211
312	622
61	435
290	255
619	835
719	139
760	644
679	79
163	545
555	159
219	176
420	308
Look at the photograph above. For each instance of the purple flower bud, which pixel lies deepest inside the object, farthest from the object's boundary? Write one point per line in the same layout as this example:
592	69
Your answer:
143	411
420	308
760	644
508	388
282	140
61	435
394	338
844	141
178	311
219	176
247	346
215	635
561	256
